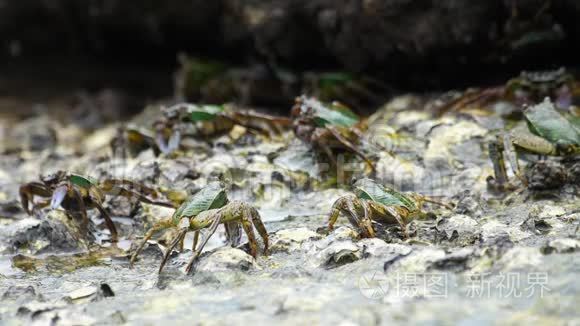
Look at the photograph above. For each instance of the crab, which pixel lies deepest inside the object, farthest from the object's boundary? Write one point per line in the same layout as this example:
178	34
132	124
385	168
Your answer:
528	88
328	126
131	140
213	118
372	202
208	208
545	133
79	193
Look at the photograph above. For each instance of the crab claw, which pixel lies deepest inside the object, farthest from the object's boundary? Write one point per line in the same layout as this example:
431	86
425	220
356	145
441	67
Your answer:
58	196
174	141
160	141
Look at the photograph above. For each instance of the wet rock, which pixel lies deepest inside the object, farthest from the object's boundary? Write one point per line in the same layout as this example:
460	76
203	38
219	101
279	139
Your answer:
543	219
298	158
459	229
374	247
400	173
494	228
460	223
20	293
456	261
520	258
10	208
338	254
53	313
561	246
89	294
57	232
226	259
342	233
499	243
442	139
574	174
546	211
418	261
290	240
544	175
34	134
469	203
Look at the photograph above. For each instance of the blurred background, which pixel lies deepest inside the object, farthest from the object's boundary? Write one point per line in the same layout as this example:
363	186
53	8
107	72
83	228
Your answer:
113	57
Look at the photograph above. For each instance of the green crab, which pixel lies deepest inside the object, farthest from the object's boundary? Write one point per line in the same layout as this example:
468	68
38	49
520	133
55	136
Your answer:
546	133
376	203
328	126
213	119
79	193
526	89
208	208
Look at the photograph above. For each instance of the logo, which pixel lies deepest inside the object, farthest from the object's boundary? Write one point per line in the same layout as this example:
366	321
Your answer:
373	285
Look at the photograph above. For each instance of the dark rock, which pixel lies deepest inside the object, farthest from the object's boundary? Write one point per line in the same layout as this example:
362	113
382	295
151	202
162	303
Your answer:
455	261
544	175
20	293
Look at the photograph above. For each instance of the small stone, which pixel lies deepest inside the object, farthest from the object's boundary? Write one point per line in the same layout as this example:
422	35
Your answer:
459	223
20	293
544	175
561	246
492	229
469	203
520	258
419	261
343	233
56	232
374	247
455	261
547	211
338	254
290	240
89	294
226	259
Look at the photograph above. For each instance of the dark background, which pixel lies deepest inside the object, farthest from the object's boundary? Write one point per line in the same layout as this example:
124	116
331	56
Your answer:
55	46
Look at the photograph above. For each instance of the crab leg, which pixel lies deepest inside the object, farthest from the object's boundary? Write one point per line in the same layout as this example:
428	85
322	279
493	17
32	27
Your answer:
177	240
82	208
252	242
497	159
162	225
513	157
28	191
251	218
108	221
260	227
277	122
195	240
350	146
213	227
394	213
436	202
142	198
329	153
40	205
366	224
112	186
346	205
233	233
337	207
